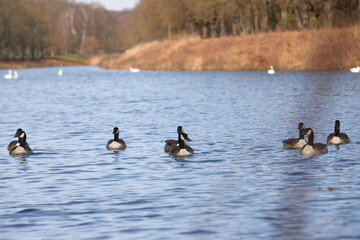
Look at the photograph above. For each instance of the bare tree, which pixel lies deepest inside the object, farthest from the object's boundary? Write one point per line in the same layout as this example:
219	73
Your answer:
284	4
264	15
348	7
329	11
85	14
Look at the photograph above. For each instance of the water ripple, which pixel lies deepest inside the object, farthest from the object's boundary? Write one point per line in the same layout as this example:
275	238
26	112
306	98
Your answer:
240	175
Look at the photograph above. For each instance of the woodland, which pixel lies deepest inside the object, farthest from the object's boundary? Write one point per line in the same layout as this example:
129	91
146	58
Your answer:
33	29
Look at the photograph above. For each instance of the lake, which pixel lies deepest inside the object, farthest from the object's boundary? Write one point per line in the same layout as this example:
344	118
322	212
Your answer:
240	183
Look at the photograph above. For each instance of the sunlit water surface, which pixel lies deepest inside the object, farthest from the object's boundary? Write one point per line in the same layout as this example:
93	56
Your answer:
240	183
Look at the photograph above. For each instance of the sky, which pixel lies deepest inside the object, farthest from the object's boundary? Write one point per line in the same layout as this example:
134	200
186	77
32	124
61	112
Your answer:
116	5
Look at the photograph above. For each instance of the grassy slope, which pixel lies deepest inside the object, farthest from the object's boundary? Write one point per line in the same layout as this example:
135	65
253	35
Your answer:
313	50
43	62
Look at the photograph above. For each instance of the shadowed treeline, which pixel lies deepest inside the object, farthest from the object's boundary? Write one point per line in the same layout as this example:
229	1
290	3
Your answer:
202	34
156	19
314	50
32	29
242	35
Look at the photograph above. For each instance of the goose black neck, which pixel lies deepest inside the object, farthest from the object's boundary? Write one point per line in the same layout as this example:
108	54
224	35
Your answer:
180	141
311	138
337	129
116	136
22	140
301	134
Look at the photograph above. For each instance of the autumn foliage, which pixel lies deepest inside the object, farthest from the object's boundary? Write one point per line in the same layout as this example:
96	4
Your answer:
310	49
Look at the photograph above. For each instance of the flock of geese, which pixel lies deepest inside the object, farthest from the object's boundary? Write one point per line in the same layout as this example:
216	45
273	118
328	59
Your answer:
310	148
173	147
180	148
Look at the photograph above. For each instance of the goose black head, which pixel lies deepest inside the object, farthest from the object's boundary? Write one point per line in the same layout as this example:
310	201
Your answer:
180	129
22	134
18	132
186	137
116	130
307	131
301	126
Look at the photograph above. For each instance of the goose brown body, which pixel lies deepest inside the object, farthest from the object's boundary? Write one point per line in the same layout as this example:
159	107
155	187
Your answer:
22	147
296	143
116	143
337	137
170	143
311	148
15	142
181	149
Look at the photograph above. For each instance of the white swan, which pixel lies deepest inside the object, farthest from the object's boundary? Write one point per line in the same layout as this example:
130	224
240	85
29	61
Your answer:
271	70
60	72
355	69
9	75
134	69
15	75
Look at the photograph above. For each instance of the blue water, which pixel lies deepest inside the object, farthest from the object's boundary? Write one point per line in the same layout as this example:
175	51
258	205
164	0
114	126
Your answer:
239	184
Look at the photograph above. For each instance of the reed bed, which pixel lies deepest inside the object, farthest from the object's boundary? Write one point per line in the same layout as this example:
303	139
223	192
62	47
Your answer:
304	50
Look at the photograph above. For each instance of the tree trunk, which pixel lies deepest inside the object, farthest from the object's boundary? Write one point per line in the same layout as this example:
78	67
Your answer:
222	27
51	38
213	30
85	14
32	51
71	20
234	30
256	19
204	31
329	6
283	12
248	18
264	16
305	15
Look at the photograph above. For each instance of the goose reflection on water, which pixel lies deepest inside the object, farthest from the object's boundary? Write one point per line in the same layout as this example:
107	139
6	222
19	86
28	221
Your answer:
291	208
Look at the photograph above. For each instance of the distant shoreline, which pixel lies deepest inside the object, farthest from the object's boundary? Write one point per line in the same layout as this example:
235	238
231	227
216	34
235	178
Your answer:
332	49
42	62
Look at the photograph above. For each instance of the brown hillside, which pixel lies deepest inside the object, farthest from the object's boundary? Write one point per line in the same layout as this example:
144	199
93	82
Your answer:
43	62
312	50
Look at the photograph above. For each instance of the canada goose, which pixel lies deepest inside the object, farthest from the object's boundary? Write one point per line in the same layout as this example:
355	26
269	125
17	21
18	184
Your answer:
337	137
311	148
271	70
170	143
116	143
181	149
14	142
296	143
21	147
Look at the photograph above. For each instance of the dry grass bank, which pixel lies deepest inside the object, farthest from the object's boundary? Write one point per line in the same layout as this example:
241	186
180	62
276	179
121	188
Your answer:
312	50
44	62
